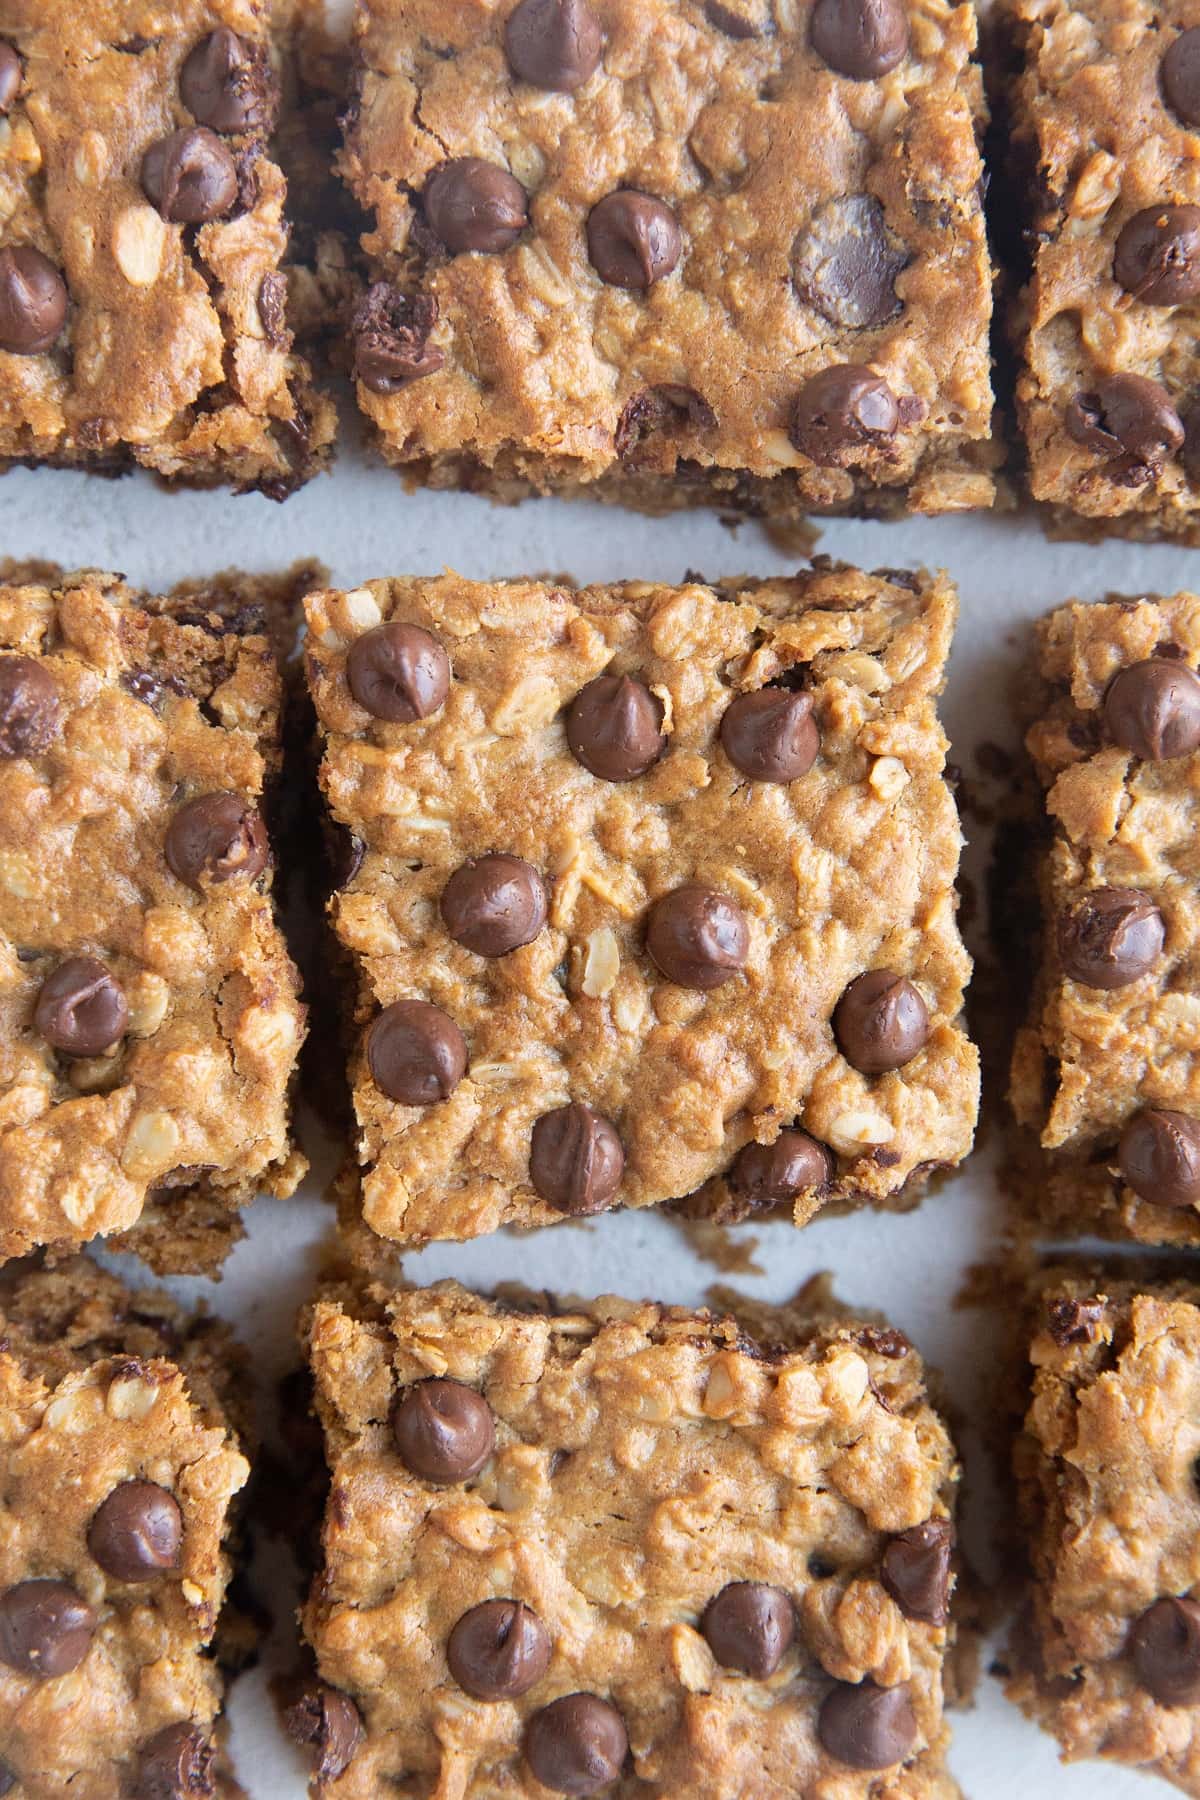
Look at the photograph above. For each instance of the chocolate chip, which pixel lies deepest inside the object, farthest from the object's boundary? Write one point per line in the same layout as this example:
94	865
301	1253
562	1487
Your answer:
1159	1157
10	75
655	409
916	1571
553	44
223	84
345	855
633	239
845	263
1165	1644
1181	76
576	1160
771	735
217	838
499	1650
1074	1321
444	1431
881	1022
861	39
867	1727
1110	937
1191	441
749	1627
176	1764
1126	414
391	331
190	176
137	1532
1152	708
416	1053
398	672
272	306
768	1174
327	1724
842	412
614	728
80	1009
494	904
33	301
45	1628
576	1745
8	1779
475	205
1157	258
697	937
733	24
30	715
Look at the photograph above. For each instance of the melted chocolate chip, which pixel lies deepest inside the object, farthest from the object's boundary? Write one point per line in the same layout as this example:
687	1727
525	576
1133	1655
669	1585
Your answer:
1126	415
475	205
697	937
1181	76
45	1628
861	39
633	239
845	263
346	852
176	1764
881	1022
391	330
771	735
398	672
1159	1157
10	75
654	410
190	177
499	1650
81	1009
916	1571
614	728
576	1745
33	301
224	84
328	1726
749	1627
1157	257
1165	1645
576	1160
1152	709
30	714
867	1727
272	306
842	413
733	24
553	44
1110	937
494	904
217	838
137	1532
416	1052
444	1431
771	1174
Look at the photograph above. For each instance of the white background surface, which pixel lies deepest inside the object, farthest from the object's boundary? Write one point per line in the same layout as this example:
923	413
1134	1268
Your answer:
362	523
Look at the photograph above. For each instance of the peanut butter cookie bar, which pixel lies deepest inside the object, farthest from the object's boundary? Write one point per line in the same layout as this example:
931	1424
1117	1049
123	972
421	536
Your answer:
668	252
652	892
626	1550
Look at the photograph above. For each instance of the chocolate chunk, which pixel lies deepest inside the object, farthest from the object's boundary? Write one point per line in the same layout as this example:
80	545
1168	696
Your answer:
861	39
416	1053
633	239
749	1627
1126	415
1110	937
30	715
1152	708
1074	1321
771	735
10	75
1157	258
444	1431
845	263
272	306
553	44
176	1764
137	1532
475	205
867	1727
391	331
576	1745
697	937
576	1160
224	84
1159	1157
499	1650
845	410
1181	76
614	728
494	904
80	1009
217	838
766	1174
398	672
916	1571
327	1724
1165	1645
190	176
881	1022
733	24
45	1628
656	409
33	301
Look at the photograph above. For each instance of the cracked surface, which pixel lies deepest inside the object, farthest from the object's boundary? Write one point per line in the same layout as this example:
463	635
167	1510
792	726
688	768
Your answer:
644	1458
748	138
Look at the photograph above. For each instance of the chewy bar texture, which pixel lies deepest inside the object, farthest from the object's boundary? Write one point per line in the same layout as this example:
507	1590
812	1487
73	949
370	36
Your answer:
143	309
655	894
118	1468
669	253
1106	120
149	1012
624	1549
1108	1657
1106	1071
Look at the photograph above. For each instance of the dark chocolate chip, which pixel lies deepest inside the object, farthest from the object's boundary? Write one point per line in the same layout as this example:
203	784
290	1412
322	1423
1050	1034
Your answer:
137	1532
190	176
669	405
224	85
475	205
80	1009
1157	258
884	1340
1074	1321
272	306
867	1727
1159	1157
749	1627
328	1726
841	413
768	1174
861	39
881	1022
845	263
45	1628
345	856
1110	937
33	301
398	672
576	1745
1126	415
416	1053
1181	76
1165	1644
1152	709
30	714
444	1431
633	239
217	838
176	1764
553	44
499	1650
733	24
390	330
916	1571
614	728
576	1160
697	937
10	75
494	904
771	735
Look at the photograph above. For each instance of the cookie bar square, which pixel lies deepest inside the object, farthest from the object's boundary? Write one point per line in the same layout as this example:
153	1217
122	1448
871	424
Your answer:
143	306
121	1458
625	1549
150	1019
1105	1072
1105	108
671	253
649	879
